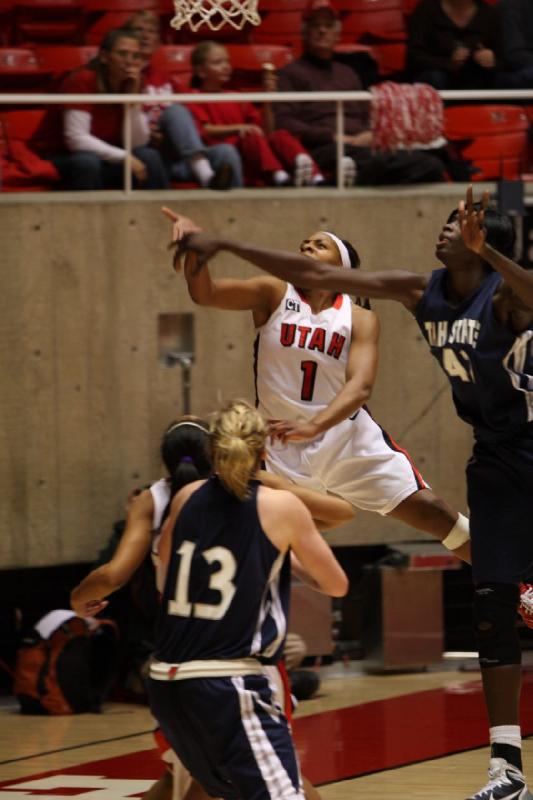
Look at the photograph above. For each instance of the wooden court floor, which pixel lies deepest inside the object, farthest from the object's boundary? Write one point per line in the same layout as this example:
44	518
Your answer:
403	737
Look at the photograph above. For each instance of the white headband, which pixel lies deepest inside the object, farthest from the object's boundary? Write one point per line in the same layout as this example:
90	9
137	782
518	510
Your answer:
343	250
185	422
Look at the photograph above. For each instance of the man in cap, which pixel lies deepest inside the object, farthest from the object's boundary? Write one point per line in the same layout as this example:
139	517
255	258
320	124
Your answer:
315	123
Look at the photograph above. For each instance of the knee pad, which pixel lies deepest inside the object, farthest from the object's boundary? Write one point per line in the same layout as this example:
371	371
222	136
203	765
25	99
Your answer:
495	608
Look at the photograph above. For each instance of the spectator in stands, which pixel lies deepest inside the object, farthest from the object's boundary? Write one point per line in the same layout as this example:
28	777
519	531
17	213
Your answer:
517	34
454	44
269	156
173	129
315	123
93	133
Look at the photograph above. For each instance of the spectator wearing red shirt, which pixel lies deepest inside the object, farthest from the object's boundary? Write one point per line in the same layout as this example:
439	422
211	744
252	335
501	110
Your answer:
172	127
93	133
268	155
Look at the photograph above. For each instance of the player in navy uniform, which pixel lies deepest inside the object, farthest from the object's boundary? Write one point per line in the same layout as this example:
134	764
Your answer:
184	452
316	362
477	316
224	615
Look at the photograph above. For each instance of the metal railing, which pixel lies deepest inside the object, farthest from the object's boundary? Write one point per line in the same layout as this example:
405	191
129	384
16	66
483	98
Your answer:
339	98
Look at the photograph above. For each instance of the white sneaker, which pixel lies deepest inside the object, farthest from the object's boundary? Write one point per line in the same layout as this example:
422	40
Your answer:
303	170
506	782
349	171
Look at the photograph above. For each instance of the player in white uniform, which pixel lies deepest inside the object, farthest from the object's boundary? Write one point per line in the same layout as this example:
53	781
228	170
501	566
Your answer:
316	363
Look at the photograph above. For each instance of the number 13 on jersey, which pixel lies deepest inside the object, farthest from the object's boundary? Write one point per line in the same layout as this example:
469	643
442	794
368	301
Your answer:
221	581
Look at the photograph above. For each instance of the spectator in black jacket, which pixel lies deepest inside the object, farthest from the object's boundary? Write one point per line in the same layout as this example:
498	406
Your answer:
517	30
454	44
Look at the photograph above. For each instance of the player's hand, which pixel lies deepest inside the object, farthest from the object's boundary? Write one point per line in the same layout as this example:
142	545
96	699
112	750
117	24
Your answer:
201	245
181	226
286	431
90	608
471	221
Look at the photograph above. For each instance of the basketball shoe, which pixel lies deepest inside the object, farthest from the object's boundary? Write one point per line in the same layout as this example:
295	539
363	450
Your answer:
525	607
506	782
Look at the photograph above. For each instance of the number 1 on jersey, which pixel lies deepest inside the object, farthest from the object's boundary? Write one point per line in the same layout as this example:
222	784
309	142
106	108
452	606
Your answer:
309	369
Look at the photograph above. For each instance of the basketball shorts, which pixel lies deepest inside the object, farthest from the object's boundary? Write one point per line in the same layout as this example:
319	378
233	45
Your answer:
356	460
230	734
500	498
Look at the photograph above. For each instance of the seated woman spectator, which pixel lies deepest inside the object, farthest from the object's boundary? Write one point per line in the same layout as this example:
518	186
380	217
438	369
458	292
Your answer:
269	156
93	134
517	33
172	127
454	44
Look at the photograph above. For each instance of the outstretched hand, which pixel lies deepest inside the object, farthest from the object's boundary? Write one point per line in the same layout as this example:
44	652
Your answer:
89	608
188	239
472	221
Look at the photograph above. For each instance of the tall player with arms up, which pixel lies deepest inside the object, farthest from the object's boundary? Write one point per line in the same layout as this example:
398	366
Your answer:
316	362
477	317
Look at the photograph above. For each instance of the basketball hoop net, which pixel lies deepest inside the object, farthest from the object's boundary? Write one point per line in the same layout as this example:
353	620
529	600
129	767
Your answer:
215	13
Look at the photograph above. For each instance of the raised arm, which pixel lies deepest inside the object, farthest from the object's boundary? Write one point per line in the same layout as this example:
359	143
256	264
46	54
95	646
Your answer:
360	377
471	223
300	270
259	295
87	598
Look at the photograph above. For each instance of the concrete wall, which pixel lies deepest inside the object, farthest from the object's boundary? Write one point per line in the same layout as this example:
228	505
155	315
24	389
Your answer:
84	398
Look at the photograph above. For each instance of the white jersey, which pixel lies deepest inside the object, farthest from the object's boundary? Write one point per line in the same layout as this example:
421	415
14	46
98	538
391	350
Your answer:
160	491
301	357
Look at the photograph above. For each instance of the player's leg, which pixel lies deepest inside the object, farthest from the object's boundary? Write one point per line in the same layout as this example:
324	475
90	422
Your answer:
259	755
361	463
501	502
427	512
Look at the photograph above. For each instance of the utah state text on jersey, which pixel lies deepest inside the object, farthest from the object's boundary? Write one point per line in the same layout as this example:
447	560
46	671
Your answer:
460	331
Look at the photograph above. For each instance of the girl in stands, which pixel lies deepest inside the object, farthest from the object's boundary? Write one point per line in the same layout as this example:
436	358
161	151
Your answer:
269	156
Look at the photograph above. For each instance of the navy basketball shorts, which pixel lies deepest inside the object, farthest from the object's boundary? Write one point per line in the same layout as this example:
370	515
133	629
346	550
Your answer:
500	498
230	735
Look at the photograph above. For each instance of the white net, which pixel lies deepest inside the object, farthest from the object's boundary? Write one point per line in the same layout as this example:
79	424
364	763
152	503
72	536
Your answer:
215	13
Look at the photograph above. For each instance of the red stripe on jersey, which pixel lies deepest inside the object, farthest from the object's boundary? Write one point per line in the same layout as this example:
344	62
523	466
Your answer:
336	304
287	697
395	446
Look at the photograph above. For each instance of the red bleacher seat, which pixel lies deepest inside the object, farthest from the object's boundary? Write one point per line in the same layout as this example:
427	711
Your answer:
282	5
22	70
27	127
390	57
174	59
6	22
48	21
499	137
60	59
104	15
373	22
248	61
283	27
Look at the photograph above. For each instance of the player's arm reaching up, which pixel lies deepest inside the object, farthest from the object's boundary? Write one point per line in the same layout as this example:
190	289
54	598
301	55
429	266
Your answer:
300	270
471	222
258	295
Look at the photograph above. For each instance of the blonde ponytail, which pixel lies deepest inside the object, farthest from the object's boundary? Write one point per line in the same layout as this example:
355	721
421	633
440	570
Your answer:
238	434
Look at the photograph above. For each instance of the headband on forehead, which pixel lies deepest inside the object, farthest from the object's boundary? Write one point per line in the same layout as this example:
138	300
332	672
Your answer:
343	250
185	422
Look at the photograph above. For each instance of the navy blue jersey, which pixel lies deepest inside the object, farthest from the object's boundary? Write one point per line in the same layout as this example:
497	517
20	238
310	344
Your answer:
489	367
227	590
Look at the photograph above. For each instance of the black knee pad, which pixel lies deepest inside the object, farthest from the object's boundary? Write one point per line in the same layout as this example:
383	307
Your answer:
495	608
